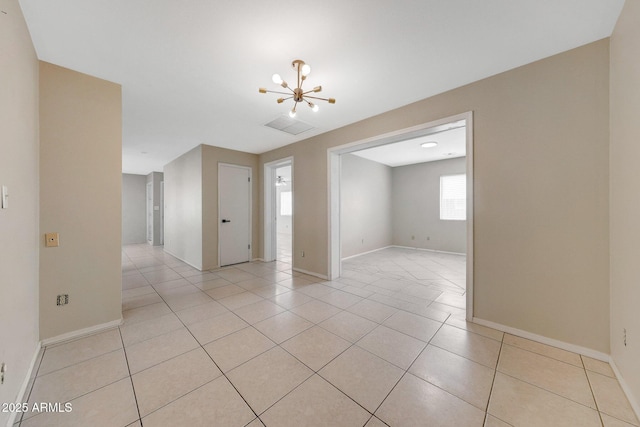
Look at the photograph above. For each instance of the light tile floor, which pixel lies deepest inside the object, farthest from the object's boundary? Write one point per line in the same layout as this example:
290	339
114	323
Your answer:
255	345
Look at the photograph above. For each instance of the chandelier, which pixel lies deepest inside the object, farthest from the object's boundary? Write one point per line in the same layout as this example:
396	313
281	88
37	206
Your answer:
297	94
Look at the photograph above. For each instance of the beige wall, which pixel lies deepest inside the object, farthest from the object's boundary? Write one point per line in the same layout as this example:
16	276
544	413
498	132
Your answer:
416	207
183	212
19	237
365	205
625	197
191	200
211	156
541	192
80	198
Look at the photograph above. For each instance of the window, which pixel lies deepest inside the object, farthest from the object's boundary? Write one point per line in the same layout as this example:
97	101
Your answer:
286	209
453	197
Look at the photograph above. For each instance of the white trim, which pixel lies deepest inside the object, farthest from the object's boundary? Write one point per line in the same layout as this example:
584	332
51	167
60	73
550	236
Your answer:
81	333
594	354
428	250
333	185
25	383
635	405
270	232
257	259
469	286
185	261
250	225
310	273
367	252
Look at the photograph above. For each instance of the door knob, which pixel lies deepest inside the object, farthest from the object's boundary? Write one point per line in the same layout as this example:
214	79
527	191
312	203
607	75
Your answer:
226	220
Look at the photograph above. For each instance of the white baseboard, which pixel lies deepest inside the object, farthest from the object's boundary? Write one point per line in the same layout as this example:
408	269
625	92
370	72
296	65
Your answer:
23	389
80	333
364	253
186	262
257	259
428	250
310	273
594	354
635	404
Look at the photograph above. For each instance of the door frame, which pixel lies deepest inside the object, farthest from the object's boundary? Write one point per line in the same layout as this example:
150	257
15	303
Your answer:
250	243
150	217
162	213
333	177
270	227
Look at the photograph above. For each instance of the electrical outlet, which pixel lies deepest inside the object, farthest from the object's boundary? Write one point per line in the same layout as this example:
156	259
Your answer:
302	254
624	336
62	299
413	237
3	370
428	238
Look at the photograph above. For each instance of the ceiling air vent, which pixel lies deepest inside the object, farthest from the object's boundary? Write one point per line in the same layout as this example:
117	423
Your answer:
289	125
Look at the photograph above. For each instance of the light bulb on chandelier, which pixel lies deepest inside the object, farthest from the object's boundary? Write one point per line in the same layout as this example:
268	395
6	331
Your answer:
297	94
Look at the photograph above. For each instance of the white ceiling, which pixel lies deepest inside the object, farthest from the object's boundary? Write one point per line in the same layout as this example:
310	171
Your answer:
190	69
451	144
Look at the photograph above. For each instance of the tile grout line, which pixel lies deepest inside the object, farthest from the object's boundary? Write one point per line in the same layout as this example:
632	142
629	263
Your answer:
591	389
126	358
493	381
313	298
214	362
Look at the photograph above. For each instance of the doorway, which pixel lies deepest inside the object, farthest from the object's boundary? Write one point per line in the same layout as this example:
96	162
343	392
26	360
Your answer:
335	159
234	214
150	213
278	205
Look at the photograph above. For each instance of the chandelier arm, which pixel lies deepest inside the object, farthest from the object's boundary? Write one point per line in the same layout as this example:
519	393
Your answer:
281	93
315	97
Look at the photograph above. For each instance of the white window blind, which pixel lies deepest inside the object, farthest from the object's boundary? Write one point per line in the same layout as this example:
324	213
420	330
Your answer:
286	208
453	197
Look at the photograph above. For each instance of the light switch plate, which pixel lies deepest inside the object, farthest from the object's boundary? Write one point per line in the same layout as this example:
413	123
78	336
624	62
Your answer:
51	240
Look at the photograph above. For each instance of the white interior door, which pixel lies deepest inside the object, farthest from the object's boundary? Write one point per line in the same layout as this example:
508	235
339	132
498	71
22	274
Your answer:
234	214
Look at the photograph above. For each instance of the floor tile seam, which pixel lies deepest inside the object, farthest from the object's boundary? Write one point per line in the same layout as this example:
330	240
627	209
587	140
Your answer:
493	380
403	333
352	342
131	344
35	377
246	361
324	379
71	400
126	358
600	411
483	409
218	367
293	336
144	305
553	358
78	363
388	361
332	359
549	391
467	330
594	371
177	398
479	335
461	355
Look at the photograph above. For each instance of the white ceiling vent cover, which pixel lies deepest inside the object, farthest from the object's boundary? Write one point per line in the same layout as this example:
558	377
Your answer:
289	125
